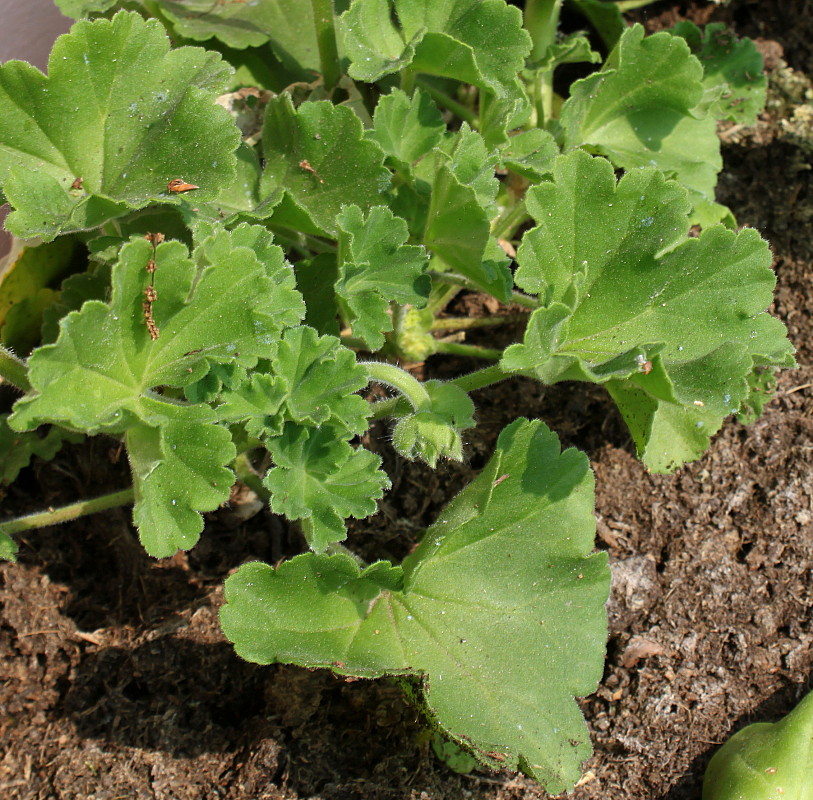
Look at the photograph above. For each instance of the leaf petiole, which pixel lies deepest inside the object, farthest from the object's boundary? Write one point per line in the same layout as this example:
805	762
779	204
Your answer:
73	511
13	370
324	21
400	380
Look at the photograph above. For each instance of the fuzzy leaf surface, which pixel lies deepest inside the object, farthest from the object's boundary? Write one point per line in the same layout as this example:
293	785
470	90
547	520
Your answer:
433	433
459	233
102	372
407	128
376	266
317	160
640	110
314	381
481	42
732	70
119	116
675	324
320	478
500	610
287	25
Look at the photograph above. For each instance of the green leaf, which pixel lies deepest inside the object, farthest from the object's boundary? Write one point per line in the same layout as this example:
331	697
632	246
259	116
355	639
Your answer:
407	128
675	324
320	478
83	8
574	48
317	161
732	71
178	472
314	381
481	42
765	760
530	153
8	548
287	25
434	433
376	267
119	116
640	110
104	370
501	603
17	449
458	232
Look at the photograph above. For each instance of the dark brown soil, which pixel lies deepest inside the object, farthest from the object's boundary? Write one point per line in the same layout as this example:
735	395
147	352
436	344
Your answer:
117	683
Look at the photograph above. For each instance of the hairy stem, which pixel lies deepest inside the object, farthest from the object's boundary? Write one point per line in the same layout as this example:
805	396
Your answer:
396	407
67	513
481	378
14	370
506	225
400	380
460	280
470	350
465	323
324	21
542	22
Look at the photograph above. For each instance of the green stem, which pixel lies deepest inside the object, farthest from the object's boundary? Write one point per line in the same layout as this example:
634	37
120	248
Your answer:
324	21
67	513
509	221
448	102
461	280
14	370
631	5
468	383
407	81
481	378
441	295
400	380
542	22
465	323
245	473
470	350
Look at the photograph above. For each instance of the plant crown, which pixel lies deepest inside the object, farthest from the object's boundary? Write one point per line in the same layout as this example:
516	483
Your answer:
229	201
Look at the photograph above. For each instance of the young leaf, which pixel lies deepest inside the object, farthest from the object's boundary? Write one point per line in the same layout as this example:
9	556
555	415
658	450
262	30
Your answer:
375	267
104	369
640	110
407	128
732	70
287	25
502	604
765	760
435	432
317	161
481	42
574	48
117	119
314	382
675	323
320	478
